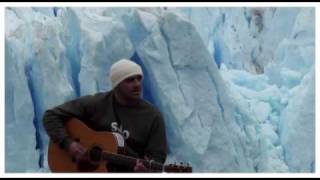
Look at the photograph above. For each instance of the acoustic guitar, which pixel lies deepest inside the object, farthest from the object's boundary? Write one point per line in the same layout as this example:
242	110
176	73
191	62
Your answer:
102	148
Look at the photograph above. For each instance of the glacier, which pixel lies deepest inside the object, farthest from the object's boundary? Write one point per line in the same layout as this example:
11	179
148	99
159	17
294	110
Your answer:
236	85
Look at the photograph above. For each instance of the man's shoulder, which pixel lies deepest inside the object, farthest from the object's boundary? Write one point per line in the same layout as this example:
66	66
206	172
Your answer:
152	108
102	94
97	96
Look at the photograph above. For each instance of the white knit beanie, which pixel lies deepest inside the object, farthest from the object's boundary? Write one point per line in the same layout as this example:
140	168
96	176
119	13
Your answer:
123	69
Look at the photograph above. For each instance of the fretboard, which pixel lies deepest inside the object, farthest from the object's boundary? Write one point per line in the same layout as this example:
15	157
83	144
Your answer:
131	161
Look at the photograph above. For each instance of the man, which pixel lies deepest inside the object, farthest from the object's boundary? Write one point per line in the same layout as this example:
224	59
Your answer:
120	110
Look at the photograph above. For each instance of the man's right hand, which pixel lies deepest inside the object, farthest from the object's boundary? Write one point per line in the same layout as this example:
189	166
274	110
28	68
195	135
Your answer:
76	150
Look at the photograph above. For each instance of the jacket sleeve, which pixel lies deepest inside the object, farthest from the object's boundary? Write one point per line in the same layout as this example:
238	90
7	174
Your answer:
54	119
157	143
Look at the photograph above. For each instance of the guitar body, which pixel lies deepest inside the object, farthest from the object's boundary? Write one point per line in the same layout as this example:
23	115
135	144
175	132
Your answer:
59	159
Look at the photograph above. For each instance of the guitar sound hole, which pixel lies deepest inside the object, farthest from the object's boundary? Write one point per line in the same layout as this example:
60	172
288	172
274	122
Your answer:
95	154
92	163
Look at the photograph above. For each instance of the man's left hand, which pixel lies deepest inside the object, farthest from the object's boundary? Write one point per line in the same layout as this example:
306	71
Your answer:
139	167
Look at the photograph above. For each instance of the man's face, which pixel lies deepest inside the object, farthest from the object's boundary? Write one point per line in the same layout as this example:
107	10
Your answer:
131	87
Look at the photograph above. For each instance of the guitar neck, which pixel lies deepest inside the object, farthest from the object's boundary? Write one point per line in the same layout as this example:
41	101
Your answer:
131	161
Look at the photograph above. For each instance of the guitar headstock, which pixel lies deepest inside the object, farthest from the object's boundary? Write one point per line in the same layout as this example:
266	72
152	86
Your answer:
178	168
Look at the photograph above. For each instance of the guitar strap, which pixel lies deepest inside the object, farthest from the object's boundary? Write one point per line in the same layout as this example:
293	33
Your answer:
114	111
119	136
126	149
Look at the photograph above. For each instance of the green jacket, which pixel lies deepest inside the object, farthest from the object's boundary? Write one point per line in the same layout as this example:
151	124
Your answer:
142	125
